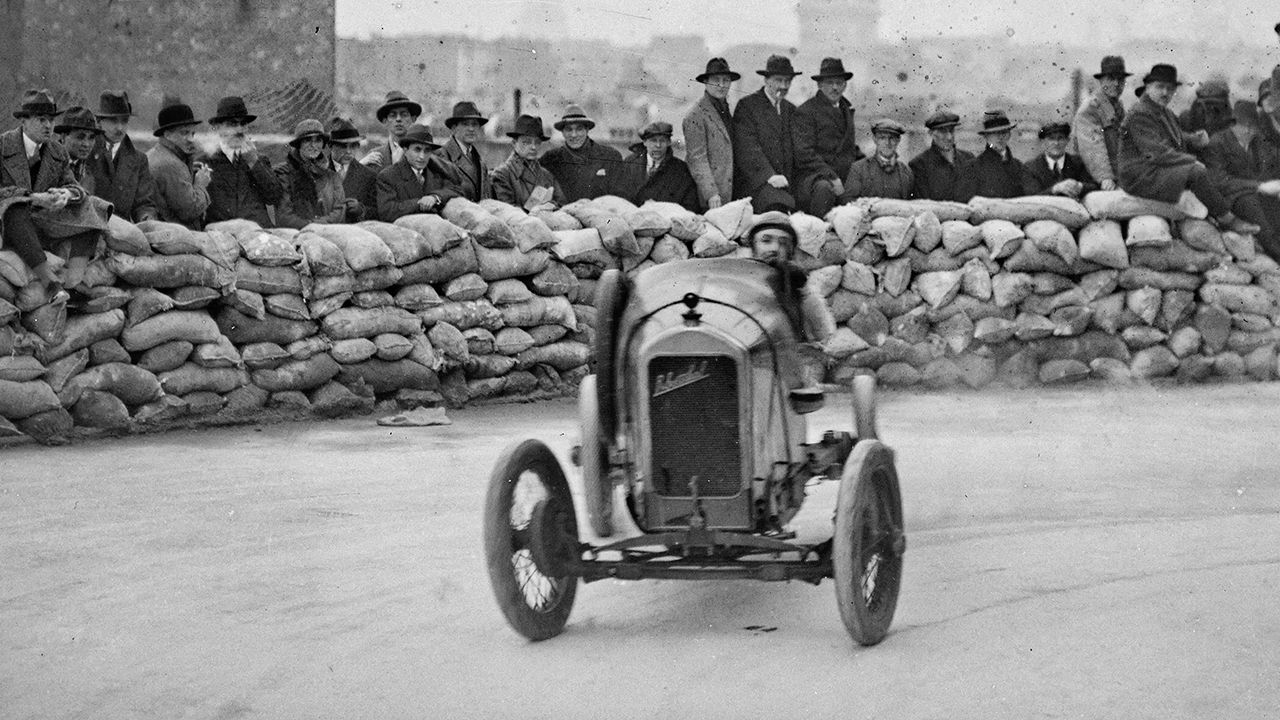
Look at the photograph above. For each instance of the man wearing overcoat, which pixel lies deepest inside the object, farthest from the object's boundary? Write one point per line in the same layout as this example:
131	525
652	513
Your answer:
461	150
708	136
1056	171
824	140
359	181
653	172
121	174
418	183
1095	135
763	144
997	173
583	167
243	183
182	194
943	171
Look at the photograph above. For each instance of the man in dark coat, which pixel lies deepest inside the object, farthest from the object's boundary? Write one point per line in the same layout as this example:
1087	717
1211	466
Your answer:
520	180
1056	171
1234	171
243	183
418	183
182	194
583	167
763	142
461	150
1265	146
359	182
121	174
883	174
652	172
397	114
824	140
943	171
311	188
1154	158
79	132
1210	111
997	173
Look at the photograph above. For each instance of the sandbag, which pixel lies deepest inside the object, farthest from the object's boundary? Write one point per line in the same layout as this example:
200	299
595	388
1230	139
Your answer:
169	238
557	220
193	378
449	341
938	288
466	287
248	302
1135	277
1239	298
353	350
263	248
165	356
132	384
1023	210
298	374
712	243
684	224
1120	205
193	326
563	355
479	341
858	278
424	353
372	299
440	234
1153	362
20	368
266	280
242	329
1101	242
894	233
503	292
497	264
824	281
13	270
732	219
97	409
406	245
581	246
308	347
263	355
539	311
1228	273
109	350
194	297
1148	231
647	223
811	232
960	235
47	321
321	256
532	233
944	210
362	249
51	427
123	236
171	271
392	346
235	226
487	230
378	278
458	260
218	354
360	323
1177	256
994	330
145	303
221	247
895	276
466	314
20	400
556	279
291	307
928	231
1053	237
512	341
1001	237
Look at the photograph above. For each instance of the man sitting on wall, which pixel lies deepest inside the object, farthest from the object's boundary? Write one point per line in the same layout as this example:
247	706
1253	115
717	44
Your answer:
943	171
418	182
1056	171
883	174
652	172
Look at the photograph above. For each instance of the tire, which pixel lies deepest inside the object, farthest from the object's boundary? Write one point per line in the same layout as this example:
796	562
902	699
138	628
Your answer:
535	605
611	297
597	489
868	543
864	407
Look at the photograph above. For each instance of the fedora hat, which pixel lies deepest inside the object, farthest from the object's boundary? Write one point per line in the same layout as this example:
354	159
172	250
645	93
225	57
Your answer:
114	105
1161	72
1058	127
1112	66
396	99
343	132
465	110
232	108
717	66
37	102
654	129
77	118
530	125
574	114
174	116
777	65
832	67
942	119
308	128
418	134
994	121
888	125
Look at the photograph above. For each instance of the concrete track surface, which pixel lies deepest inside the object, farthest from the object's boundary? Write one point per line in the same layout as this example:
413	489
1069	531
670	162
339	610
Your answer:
1081	553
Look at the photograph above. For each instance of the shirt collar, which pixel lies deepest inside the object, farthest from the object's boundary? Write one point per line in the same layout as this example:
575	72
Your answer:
32	147
1054	162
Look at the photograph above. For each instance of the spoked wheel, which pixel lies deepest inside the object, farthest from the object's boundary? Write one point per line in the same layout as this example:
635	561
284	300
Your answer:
597	487
868	543
527	487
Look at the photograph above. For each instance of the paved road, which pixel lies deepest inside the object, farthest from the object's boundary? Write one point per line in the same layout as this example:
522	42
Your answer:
1095	554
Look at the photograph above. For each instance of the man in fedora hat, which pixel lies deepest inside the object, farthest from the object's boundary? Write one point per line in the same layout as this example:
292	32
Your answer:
182	183
1155	153
397	114
359	182
1055	171
121	174
763	144
997	173
824	140
521	180
943	171
1234	169
460	150
41	205
243	183
583	167
311	189
883	174
79	132
418	183
708	136
652	172
1095	134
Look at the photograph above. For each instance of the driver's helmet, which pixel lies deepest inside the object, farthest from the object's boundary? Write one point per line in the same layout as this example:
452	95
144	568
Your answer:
776	220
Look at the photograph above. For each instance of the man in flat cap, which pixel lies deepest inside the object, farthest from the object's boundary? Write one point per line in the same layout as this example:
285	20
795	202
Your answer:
997	173
824	140
182	183
883	174
121	174
397	114
708	136
583	167
1235	171
359	181
1095	134
1055	171
943	171
473	173
243	183
418	183
653	172
521	180
79	132
763	143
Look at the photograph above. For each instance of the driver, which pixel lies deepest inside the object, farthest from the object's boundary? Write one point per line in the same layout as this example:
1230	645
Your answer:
773	241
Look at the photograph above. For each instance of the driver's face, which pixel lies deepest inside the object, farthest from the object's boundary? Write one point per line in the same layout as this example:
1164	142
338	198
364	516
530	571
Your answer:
770	244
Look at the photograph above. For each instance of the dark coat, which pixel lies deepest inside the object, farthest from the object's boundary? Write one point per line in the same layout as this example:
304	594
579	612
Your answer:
308	196
936	178
671	182
125	183
1265	149
361	183
996	176
867	178
515	179
472	182
763	146
1154	160
587	172
1038	179
1231	166
399	189
237	190
83	212
825	147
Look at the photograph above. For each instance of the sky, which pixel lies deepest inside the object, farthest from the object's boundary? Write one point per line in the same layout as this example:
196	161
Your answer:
730	22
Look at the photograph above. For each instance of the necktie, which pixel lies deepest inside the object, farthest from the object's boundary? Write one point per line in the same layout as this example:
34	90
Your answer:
1057	168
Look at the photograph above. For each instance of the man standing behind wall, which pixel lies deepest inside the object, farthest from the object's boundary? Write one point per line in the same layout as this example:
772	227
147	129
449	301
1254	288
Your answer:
943	171
397	114
243	183
121	175
182	194
583	167
708	136
1096	135
461	150
824	140
763	150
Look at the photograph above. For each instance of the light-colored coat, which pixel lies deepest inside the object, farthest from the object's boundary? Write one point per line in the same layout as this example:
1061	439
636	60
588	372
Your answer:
178	199
708	151
1095	136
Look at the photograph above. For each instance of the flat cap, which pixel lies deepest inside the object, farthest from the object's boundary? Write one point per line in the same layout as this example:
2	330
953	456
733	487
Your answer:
887	125
942	119
656	128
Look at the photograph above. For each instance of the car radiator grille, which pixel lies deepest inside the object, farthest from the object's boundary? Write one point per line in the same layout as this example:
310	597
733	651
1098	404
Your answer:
694	425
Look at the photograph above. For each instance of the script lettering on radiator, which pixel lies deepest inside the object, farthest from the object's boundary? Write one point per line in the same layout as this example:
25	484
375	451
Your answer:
666	382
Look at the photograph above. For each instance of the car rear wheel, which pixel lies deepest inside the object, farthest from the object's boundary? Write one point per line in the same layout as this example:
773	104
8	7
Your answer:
527	486
868	543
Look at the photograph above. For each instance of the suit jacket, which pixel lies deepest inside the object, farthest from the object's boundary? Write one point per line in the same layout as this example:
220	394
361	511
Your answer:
399	189
239	190
587	172
996	176
867	178
380	157
177	198
763	144
514	180
82	212
125	182
1154	160
361	183
308	196
1095	136
708	151
824	143
936	178
1231	167
671	182
1038	179
472	186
